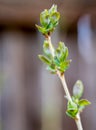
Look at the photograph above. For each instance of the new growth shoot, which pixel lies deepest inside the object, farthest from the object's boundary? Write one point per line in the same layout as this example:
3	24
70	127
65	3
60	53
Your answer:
57	63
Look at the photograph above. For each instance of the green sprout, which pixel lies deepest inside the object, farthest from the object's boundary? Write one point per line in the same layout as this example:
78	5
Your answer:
49	20
78	104
57	63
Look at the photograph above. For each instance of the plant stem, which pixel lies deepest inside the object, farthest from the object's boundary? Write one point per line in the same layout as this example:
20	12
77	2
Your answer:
77	118
78	122
62	78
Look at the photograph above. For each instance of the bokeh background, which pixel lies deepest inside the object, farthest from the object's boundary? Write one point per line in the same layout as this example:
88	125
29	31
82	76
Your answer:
30	97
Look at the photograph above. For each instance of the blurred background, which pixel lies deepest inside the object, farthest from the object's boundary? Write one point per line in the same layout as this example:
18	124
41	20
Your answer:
30	97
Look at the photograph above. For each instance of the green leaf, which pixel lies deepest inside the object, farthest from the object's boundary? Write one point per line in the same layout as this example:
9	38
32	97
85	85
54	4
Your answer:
75	100
46	49
53	9
62	52
71	105
78	89
50	28
72	112
52	69
56	61
64	66
66	53
49	20
72	109
44	18
81	108
61	45
41	29
55	18
44	59
84	102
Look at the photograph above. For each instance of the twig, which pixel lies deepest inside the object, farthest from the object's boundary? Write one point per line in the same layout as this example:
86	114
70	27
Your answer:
62	78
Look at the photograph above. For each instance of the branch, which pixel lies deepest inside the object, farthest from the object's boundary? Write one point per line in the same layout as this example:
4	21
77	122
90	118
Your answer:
63	81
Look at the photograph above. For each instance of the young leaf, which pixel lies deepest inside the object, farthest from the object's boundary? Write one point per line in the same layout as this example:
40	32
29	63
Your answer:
62	52
72	112
53	9
44	18
84	102
71	105
44	59
66	53
56	61
46	49
49	20
72	109
52	69
61	45
78	89
55	17
75	100
41	29
64	66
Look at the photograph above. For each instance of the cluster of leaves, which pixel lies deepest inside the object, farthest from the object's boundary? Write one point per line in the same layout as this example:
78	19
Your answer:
77	104
49	20
57	62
